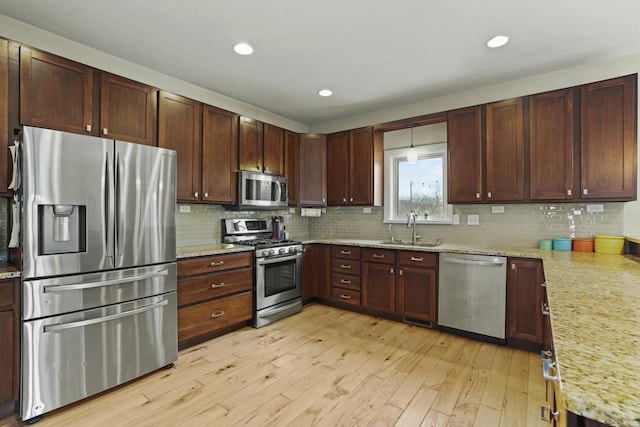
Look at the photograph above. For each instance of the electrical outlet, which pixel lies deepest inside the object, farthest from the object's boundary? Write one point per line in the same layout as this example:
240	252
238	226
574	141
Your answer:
473	219
185	209
456	219
595	208
497	209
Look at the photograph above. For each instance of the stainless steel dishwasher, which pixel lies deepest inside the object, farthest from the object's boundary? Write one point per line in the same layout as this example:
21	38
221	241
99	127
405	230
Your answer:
472	292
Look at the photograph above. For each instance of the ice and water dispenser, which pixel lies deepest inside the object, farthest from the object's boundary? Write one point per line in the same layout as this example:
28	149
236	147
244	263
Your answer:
62	229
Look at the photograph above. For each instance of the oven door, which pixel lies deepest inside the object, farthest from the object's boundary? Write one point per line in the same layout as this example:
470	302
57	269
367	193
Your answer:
278	280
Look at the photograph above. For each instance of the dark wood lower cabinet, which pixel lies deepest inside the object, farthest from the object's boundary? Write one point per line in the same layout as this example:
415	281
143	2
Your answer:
525	296
379	286
9	345
418	293
315	272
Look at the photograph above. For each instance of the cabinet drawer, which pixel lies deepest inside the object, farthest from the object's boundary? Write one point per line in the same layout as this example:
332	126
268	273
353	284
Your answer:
345	281
379	255
345	266
210	316
346	296
350	252
201	288
7	296
424	259
208	264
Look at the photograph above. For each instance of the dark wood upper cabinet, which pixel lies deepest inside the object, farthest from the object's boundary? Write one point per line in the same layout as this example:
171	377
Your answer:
505	151
313	170
55	93
250	144
352	158
337	168
291	168
608	139
128	110
273	150
179	129
551	146
219	155
525	295
4	115
464	155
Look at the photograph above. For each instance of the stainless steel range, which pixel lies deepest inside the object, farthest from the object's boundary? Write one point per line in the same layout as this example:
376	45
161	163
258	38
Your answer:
278	268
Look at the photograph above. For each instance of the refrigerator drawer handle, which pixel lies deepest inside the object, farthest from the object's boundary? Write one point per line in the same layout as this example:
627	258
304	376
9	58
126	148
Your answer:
471	262
91	285
83	323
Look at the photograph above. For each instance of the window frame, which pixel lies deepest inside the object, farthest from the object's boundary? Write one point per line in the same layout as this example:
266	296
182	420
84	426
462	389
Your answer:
391	160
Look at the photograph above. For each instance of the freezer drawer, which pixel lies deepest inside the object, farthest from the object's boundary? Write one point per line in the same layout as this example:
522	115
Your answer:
67	358
51	297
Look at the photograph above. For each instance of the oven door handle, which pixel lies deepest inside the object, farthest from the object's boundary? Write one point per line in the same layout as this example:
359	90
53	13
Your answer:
274	260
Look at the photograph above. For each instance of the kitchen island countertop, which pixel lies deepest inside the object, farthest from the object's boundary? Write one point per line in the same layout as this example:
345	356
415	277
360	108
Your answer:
594	300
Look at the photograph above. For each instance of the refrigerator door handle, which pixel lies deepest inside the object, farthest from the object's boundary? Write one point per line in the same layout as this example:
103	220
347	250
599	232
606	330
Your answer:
91	285
119	215
109	213
83	323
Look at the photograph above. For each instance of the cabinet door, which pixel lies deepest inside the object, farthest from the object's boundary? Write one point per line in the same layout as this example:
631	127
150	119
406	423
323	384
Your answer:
291	156
313	170
128	110
360	190
505	150
464	155
337	168
55	93
323	276
6	356
525	295
418	293
250	144
219	155
379	286
551	146
608	139
309	266
273	154
4	115
179	128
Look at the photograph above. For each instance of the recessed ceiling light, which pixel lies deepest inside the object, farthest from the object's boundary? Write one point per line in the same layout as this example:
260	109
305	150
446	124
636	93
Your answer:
243	49
325	92
498	41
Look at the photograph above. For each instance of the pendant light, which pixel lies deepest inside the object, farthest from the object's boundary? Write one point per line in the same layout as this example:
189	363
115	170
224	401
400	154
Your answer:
412	154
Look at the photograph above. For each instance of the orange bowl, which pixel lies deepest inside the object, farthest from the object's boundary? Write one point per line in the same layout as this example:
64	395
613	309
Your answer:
583	245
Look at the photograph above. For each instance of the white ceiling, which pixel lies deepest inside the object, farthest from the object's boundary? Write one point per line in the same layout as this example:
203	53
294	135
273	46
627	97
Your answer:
373	54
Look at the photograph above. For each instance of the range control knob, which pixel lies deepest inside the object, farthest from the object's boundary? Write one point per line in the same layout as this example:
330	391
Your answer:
281	251
293	250
271	252
265	252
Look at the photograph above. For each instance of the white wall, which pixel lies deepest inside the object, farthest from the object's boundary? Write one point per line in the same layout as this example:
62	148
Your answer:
18	31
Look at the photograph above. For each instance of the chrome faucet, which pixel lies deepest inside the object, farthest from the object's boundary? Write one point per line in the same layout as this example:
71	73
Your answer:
411	222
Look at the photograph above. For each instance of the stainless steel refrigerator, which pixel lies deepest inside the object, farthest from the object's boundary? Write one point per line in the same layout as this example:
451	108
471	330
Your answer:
99	270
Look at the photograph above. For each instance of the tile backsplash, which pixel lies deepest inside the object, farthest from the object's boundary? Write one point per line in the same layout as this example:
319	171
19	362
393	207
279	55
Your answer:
519	225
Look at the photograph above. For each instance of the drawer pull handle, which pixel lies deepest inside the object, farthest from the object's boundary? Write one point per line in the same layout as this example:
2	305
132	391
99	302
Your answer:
345	281
345	252
378	256
216	315
417	259
343	296
217	264
347	266
217	285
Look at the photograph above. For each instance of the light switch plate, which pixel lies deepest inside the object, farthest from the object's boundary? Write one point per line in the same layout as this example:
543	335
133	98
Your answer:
595	208
497	209
456	219
473	219
366	210
185	209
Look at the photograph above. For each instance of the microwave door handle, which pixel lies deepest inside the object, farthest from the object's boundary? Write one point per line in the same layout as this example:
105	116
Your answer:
278	191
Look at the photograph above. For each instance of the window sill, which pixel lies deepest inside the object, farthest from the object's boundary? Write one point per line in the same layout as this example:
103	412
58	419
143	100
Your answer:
445	221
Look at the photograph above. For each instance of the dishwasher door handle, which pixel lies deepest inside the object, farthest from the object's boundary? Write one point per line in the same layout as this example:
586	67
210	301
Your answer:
472	262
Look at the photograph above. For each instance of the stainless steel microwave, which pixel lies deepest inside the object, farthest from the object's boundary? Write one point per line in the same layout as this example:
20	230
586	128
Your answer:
261	191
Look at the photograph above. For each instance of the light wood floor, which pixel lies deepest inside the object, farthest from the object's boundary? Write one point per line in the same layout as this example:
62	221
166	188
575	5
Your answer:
327	367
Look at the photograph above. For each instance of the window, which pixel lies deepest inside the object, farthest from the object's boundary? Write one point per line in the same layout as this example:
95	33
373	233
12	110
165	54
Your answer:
421	186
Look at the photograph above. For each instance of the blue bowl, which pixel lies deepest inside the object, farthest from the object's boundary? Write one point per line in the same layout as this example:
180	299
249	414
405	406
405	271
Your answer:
560	244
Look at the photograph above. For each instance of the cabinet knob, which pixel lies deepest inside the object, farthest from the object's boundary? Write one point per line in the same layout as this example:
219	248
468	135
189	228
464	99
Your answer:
585	191
323	200
206	194
196	194
400	272
391	270
344	200
105	131
266	169
545	309
543	284
351	199
489	194
477	195
88	128
513	266
569	193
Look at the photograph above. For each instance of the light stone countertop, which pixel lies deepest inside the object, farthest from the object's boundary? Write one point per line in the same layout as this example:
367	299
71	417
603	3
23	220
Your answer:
8	271
594	301
210	249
